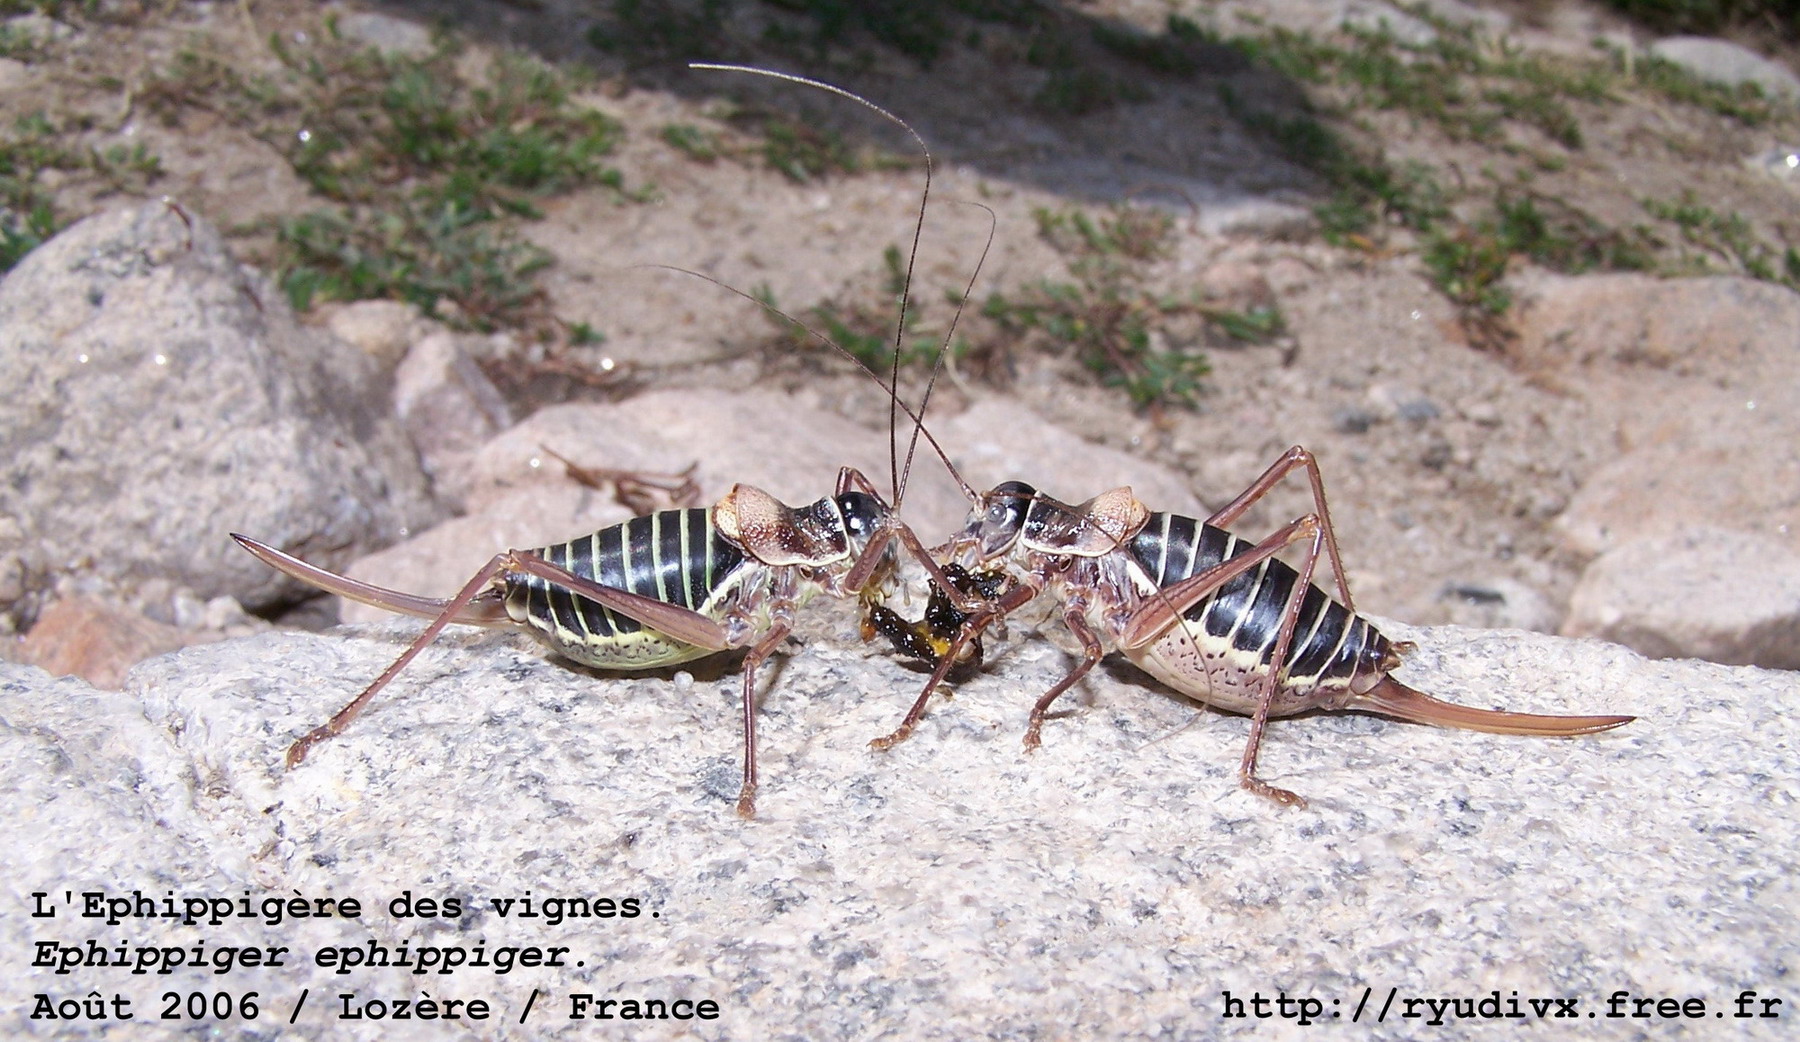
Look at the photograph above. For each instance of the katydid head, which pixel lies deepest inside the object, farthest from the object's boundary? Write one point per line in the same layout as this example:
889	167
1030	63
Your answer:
1015	514
997	522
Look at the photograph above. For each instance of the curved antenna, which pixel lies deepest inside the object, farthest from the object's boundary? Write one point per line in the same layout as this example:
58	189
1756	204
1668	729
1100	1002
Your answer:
918	423
896	473
937	366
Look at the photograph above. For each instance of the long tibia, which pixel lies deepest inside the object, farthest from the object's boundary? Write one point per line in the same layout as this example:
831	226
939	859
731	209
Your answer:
1298	456
336	725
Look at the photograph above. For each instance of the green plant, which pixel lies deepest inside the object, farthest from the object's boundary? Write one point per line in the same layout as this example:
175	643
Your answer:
1074	87
915	29
372	123
27	211
1467	85
583	334
1366	192
194	79
1180	50
1106	317
1467	262
52	8
1542	107
1257	325
1110	329
453	263
19	44
1710	16
1727	238
22	232
125	168
1132	233
36	146
803	153
918	29
652	30
1516	117
427	167
864	326
1370	192
702	146
1744	103
799	150
1081	92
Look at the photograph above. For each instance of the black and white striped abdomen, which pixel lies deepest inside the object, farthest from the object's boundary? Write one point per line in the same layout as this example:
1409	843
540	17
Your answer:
676	556
1236	626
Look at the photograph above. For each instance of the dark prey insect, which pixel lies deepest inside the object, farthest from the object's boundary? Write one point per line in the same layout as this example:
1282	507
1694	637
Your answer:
1215	617
929	637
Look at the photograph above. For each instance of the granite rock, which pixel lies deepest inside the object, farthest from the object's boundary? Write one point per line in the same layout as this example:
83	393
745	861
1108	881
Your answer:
1718	594
448	407
1725	62
381	329
97	641
1115	883
160	395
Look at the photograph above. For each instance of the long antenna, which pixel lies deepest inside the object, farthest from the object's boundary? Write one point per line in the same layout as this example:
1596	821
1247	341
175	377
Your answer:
937	366
918	423
896	473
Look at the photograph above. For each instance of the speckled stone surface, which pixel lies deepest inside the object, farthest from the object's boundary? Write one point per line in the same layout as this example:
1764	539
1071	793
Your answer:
1116	883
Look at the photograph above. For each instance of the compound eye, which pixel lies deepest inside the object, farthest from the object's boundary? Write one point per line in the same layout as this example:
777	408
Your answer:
1007	503
858	512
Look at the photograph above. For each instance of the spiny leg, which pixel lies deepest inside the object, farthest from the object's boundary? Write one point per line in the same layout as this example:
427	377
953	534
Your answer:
946	663
850	479
1168	606
1074	612
864	570
341	719
670	619
746	805
969	601
928	638
1297	456
1275	676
